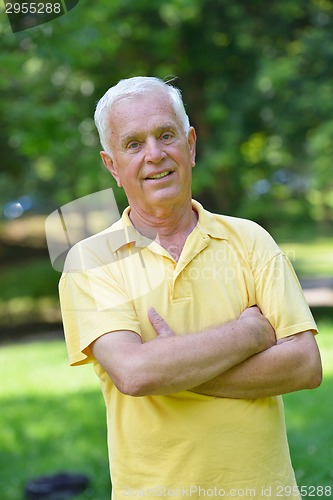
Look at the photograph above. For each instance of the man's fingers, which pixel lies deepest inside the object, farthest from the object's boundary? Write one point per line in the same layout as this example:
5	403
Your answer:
251	311
160	326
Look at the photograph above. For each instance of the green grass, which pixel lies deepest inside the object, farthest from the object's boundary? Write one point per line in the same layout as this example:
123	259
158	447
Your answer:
309	416
53	419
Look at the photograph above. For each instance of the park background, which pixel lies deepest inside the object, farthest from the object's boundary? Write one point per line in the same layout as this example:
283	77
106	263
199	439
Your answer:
257	83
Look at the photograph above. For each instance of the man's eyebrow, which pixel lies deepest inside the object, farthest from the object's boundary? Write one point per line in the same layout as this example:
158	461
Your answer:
125	138
168	126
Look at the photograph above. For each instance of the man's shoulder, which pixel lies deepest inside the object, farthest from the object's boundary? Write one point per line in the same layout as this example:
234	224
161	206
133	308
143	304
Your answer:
207	217
231	226
237	223
93	251
244	235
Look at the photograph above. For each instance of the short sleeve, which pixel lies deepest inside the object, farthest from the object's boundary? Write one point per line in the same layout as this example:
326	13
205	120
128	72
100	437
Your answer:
280	297
92	304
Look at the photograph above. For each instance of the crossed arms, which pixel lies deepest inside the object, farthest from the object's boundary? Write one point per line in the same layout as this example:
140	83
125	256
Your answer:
239	359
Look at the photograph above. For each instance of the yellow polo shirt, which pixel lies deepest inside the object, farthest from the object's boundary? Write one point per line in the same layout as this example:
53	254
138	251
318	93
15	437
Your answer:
185	444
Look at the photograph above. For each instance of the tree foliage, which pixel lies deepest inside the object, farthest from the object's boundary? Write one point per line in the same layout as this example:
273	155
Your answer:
256	80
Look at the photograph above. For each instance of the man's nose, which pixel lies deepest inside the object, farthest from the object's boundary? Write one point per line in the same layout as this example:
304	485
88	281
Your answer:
154	151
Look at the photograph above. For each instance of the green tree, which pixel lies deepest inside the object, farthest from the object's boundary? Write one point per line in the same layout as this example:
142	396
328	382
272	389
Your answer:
256	82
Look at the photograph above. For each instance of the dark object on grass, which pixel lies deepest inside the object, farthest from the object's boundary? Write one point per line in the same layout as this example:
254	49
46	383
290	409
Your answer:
56	487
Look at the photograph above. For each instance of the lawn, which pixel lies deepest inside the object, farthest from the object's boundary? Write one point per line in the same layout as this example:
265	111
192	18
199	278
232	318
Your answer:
309	416
53	419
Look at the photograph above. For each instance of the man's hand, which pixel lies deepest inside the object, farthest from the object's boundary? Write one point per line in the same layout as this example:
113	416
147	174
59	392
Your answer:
252	319
160	326
263	330
253	311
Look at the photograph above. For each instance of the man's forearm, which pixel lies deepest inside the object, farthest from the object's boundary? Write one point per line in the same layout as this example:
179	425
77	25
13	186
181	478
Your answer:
291	365
172	363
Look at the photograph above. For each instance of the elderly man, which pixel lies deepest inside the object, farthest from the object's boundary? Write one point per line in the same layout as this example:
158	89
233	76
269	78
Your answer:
195	322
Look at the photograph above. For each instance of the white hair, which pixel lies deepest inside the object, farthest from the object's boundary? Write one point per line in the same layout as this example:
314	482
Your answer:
134	86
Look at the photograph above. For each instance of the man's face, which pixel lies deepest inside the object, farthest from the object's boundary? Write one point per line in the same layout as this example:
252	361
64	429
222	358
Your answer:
152	157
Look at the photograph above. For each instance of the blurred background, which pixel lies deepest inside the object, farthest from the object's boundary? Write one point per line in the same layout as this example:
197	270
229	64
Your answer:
257	83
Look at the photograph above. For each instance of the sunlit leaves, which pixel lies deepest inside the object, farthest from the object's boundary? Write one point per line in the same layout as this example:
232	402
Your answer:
256	80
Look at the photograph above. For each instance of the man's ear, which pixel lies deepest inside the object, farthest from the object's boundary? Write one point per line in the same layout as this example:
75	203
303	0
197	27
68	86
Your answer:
192	139
108	162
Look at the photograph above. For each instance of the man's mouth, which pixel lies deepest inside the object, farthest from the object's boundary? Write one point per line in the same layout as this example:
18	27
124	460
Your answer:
159	176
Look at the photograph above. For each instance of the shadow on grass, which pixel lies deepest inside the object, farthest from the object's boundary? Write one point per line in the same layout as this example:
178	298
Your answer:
42	435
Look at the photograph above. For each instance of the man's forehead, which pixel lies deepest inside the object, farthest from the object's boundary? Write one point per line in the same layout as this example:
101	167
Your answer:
142	112
136	104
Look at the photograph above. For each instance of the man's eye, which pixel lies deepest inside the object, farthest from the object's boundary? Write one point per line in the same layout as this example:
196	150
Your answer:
167	136
133	145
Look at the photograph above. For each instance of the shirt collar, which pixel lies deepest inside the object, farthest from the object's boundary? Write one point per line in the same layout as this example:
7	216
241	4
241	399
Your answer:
124	233
207	223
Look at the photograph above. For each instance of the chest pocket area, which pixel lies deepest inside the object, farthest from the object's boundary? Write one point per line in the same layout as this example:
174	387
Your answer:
220	281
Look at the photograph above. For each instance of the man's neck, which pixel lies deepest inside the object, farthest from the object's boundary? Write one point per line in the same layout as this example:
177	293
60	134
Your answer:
170	228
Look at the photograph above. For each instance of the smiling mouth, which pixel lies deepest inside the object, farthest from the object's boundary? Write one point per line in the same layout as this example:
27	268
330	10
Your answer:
159	176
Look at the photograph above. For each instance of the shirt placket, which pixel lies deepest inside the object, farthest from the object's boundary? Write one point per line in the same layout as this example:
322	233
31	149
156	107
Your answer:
181	289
